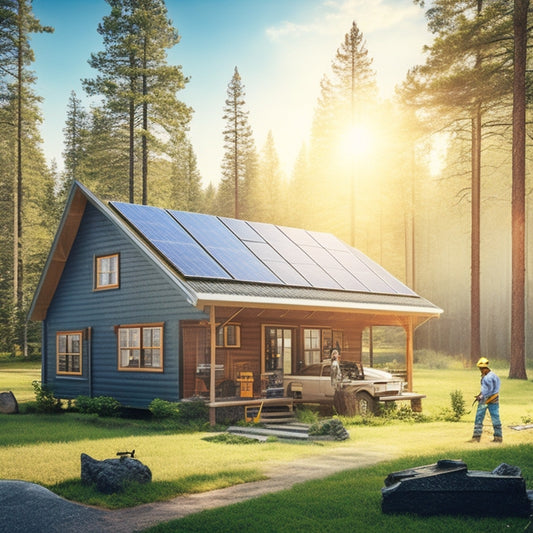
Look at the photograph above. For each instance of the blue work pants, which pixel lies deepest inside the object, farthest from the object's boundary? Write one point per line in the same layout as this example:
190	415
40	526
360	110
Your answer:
494	411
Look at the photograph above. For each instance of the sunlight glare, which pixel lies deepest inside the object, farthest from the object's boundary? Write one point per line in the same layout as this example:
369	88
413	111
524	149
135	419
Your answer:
438	153
357	141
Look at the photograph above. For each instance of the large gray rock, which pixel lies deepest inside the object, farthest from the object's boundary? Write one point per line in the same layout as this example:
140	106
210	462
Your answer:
448	487
111	475
8	403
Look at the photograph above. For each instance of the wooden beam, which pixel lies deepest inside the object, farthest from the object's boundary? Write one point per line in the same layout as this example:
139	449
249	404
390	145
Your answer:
231	317
212	370
409	352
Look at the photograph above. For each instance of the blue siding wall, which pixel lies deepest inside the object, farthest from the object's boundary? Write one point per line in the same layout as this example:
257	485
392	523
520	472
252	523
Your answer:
145	296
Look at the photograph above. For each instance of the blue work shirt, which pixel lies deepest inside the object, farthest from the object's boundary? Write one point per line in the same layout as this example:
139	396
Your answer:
490	384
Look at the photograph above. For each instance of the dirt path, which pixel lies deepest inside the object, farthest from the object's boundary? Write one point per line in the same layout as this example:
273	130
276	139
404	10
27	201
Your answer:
29	507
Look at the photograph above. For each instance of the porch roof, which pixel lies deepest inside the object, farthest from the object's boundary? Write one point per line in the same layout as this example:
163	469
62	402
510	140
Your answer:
259	295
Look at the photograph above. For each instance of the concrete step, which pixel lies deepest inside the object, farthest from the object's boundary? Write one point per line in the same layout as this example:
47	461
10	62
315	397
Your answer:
262	438
280	433
293	427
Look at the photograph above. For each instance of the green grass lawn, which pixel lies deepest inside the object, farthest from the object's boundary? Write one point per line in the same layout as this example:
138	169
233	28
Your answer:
46	449
17	374
351	501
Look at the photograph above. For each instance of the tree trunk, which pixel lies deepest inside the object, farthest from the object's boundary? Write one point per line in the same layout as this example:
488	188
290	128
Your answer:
344	403
17	197
518	356
145	132
132	135
475	328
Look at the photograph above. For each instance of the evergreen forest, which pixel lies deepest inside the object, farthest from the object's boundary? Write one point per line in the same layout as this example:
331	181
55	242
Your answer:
433	183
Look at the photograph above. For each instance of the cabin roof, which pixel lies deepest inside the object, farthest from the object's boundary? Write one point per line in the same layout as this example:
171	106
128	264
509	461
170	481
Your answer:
222	260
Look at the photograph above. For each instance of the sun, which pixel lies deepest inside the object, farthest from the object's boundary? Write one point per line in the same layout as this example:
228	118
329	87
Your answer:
357	141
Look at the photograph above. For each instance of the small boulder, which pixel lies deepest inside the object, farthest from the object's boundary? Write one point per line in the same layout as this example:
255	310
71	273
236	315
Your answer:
111	475
507	470
8	403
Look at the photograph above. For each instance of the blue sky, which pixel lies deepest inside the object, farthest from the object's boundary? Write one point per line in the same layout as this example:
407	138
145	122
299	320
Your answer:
282	49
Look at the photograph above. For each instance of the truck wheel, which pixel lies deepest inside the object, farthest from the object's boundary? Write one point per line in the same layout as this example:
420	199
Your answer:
364	404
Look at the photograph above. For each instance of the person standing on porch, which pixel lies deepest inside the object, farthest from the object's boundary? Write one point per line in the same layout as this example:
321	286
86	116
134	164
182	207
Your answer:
335	374
488	399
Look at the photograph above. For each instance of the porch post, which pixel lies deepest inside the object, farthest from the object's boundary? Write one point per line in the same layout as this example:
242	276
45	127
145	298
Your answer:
409	353
212	369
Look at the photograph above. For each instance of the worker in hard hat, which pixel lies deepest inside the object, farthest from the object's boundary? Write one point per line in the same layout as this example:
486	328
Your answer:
488	399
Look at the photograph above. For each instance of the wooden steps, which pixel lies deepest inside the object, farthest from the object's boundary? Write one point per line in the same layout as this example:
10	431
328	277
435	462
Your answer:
277	416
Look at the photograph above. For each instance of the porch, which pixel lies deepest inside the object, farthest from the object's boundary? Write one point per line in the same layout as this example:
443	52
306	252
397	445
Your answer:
239	356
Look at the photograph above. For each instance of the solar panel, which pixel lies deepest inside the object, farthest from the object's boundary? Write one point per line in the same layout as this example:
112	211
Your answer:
380	272
281	243
206	246
225	247
171	240
242	229
283	270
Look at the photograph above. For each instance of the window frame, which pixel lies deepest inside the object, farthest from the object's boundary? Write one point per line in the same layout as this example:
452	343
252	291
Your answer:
221	339
97	271
141	347
68	354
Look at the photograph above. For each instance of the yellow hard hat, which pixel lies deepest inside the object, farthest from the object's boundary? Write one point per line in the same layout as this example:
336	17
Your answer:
483	363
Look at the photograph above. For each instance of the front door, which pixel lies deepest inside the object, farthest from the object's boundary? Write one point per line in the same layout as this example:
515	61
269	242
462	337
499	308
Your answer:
279	346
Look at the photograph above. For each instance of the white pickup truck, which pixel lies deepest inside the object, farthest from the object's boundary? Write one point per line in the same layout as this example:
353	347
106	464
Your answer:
368	385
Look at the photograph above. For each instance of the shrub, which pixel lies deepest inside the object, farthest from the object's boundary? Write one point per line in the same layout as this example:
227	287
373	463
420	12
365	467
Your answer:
306	415
333	428
162	409
100	405
193	411
405	413
45	400
457	408
185	412
229	438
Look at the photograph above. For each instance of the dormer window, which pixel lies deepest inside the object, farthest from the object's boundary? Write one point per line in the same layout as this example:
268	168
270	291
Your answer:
106	272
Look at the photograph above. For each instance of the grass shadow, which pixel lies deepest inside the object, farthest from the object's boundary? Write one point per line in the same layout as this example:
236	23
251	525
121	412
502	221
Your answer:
138	493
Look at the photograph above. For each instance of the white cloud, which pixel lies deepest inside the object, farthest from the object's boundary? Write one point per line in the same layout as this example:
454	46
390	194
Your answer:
369	15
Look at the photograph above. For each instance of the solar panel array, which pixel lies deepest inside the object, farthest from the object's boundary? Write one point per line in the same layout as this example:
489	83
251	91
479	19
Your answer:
210	247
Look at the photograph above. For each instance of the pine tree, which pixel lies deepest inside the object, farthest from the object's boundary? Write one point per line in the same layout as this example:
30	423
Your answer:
186	189
105	161
299	192
20	114
239	164
354	79
75	131
135	79
467	79
518	338
347	98
268	197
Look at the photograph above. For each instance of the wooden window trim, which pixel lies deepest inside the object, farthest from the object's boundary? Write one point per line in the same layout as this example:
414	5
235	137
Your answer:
58	353
97	271
141	327
225	343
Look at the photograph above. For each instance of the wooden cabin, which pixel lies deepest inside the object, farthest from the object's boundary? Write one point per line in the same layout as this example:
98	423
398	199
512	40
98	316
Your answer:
138	302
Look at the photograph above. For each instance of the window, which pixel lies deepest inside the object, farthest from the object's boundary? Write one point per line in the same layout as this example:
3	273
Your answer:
318	343
106	276
312	346
140	347
278	349
229	336
68	349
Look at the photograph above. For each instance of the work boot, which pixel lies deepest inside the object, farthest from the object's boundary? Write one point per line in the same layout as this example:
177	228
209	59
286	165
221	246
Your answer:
475	438
497	439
